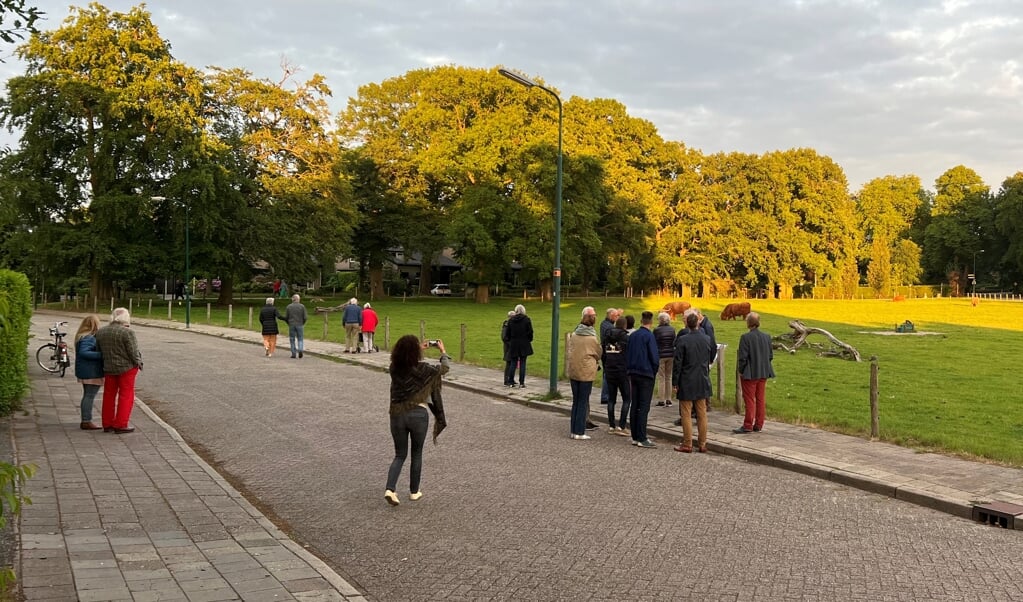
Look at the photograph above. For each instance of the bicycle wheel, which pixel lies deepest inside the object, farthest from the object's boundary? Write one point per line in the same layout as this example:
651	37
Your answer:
48	358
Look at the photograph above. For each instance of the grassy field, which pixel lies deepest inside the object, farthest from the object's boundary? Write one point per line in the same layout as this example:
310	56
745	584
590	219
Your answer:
952	391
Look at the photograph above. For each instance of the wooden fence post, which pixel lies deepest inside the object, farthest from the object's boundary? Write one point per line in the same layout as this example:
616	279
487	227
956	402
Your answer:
131	305
111	304
149	312
461	350
721	372
207	313
250	317
387	332
326	324
169	304
230	314
875	426
422	330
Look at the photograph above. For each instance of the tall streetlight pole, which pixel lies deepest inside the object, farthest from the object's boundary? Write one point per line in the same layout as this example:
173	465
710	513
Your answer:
975	272
188	254
556	273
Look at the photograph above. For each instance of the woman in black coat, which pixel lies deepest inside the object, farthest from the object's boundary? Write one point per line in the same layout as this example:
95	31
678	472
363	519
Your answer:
268	317
615	345
519	337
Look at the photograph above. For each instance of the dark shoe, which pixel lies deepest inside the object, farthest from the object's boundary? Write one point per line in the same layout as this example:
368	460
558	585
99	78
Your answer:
590	426
660	404
741	431
648	444
127	429
299	355
678	422
685	449
292	356
667	402
757	429
108	429
522	385
90	426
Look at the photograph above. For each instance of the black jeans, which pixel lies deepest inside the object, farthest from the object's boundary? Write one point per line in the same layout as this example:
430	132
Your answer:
618	384
509	370
410	425
642	392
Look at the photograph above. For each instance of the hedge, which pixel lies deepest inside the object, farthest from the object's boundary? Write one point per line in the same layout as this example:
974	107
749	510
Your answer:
15	313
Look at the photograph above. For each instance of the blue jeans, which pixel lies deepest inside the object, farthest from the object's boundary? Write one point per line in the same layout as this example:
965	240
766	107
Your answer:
642	392
604	393
410	425
617	384
296	333
580	405
88	397
509	371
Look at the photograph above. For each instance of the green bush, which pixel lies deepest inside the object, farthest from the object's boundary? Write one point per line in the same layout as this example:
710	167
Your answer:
15	312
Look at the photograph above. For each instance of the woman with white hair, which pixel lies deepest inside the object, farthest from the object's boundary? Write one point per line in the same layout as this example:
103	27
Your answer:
369	327
519	336
122	361
268	317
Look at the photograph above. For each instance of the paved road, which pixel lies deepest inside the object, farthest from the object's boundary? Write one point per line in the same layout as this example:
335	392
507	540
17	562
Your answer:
515	510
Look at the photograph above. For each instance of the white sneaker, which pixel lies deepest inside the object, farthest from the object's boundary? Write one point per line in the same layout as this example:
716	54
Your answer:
391	497
416	496
581	437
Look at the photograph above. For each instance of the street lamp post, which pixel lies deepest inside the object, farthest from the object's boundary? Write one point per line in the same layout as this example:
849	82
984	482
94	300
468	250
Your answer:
556	273
188	254
975	272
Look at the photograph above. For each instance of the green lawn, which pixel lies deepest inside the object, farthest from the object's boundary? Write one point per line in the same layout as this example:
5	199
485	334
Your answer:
954	391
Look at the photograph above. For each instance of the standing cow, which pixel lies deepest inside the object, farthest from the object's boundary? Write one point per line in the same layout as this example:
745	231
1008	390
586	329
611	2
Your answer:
675	308
735	310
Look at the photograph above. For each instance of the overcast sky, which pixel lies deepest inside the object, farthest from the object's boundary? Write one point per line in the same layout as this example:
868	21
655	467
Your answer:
880	86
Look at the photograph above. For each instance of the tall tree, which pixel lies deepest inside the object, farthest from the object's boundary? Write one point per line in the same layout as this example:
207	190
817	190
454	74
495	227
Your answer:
885	210
960	216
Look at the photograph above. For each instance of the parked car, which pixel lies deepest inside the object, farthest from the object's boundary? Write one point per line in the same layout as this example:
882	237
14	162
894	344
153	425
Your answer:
441	290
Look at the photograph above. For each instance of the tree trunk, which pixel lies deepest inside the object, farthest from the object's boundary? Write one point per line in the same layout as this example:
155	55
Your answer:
482	293
376	281
545	289
425	278
226	291
99	288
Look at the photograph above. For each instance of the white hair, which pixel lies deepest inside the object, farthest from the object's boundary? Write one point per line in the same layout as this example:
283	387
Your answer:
511	313
367	306
295	298
663	318
121	315
353	301
588	310
520	309
269	300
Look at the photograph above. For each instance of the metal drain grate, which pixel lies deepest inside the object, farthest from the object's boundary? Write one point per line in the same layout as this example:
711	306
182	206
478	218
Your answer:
1000	514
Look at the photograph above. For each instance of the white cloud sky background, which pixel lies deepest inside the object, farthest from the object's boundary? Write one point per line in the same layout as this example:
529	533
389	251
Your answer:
880	86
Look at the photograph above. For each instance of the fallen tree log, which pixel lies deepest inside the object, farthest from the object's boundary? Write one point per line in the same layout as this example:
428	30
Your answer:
792	341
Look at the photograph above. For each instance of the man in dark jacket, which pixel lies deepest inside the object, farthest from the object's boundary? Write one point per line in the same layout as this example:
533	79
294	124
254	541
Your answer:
754	365
605	329
520	345
504	338
691	379
642	361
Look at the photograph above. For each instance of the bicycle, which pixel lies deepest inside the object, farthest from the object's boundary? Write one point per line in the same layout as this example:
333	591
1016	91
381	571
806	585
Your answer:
54	357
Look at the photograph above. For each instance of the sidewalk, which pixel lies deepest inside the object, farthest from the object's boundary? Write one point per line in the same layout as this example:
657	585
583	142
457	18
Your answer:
144	518
944	483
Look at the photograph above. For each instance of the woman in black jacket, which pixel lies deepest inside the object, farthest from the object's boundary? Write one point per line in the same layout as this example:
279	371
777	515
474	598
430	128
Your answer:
415	388
268	317
519	336
615	344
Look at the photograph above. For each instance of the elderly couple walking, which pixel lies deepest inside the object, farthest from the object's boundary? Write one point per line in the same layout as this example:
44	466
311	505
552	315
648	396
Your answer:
108	357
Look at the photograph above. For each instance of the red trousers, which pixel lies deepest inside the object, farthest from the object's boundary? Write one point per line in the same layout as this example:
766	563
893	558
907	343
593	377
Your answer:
753	396
118	398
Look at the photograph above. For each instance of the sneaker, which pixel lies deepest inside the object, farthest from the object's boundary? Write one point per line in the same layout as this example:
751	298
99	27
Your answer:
741	431
299	355
579	437
266	351
591	426
622	432
634	442
648	444
415	497
667	402
391	497
660	404
612	430
521	385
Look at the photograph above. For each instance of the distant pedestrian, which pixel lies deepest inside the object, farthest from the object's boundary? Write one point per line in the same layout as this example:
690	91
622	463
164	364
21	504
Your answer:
179	290
664	334
277	287
616	372
583	363
508	382
284	290
691	379
415	388
520	345
754	364
88	368
296	316
351	320
122	361
369	327
268	317
642	361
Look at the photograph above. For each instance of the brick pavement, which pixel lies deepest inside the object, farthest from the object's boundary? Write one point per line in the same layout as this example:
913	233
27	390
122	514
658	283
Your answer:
142	517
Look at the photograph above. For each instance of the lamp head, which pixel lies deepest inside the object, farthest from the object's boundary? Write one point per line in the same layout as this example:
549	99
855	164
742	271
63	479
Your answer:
515	77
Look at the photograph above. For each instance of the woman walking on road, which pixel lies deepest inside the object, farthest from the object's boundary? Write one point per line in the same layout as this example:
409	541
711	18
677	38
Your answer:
415	388
88	368
268	317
